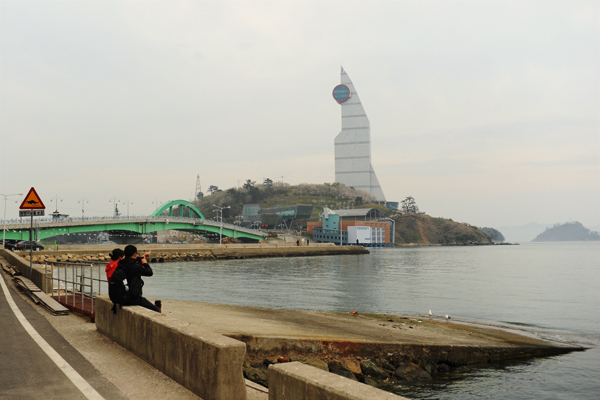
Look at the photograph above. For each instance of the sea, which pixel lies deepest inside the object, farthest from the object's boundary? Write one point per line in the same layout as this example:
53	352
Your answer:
546	290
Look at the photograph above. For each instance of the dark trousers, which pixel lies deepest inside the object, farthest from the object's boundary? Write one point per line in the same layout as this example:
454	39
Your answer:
144	302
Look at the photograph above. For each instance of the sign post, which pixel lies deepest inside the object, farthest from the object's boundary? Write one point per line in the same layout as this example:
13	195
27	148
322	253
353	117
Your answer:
31	205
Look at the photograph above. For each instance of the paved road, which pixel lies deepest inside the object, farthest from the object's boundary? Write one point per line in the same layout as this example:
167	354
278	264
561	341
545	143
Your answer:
28	372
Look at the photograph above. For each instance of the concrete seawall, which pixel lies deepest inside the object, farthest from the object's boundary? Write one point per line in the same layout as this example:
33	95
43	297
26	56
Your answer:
210	364
38	274
381	350
207	363
160	253
297	381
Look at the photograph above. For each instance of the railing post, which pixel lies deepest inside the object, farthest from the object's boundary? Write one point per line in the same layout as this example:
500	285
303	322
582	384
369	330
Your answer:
73	283
58	278
91	289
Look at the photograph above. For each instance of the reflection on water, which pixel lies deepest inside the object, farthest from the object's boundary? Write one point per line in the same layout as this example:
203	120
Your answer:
549	289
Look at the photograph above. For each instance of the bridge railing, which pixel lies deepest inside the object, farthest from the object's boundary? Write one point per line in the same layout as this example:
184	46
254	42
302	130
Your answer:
17	223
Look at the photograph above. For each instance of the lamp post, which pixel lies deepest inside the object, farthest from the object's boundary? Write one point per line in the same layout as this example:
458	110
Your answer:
115	201
4	219
83	201
128	203
220	210
56	200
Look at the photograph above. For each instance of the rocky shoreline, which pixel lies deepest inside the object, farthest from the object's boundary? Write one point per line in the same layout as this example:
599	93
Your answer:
94	257
386	351
165	254
383	365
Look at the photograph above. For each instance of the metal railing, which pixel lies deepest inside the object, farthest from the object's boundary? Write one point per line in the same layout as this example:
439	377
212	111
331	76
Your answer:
83	280
19	224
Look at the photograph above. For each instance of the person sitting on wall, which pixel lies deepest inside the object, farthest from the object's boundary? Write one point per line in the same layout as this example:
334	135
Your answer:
135	267
116	256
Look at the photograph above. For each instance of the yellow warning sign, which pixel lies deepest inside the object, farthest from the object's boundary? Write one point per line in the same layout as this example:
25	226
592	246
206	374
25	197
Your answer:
32	201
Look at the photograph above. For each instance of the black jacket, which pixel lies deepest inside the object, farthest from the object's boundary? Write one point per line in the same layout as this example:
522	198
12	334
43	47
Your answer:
134	272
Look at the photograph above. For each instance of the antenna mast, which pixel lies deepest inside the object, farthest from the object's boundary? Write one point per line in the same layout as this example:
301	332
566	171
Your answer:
199	193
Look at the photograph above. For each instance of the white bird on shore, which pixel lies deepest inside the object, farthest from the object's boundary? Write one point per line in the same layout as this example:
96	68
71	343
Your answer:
447	317
430	313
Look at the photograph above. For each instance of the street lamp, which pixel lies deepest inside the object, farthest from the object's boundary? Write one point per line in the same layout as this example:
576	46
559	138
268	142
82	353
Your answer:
4	219
220	210
115	201
83	201
56	199
128	203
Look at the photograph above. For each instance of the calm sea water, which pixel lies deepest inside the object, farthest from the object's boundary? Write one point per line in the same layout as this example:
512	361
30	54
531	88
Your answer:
551	290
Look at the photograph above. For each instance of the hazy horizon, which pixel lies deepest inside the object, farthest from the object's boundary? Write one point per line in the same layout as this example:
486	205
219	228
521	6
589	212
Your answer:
484	112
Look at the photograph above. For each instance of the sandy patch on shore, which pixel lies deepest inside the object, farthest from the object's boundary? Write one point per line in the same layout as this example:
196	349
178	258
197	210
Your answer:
266	322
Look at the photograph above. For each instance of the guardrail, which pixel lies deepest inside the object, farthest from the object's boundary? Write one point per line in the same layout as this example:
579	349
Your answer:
75	284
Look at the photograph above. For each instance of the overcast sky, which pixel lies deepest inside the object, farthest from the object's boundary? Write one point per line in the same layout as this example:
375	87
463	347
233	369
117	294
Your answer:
485	112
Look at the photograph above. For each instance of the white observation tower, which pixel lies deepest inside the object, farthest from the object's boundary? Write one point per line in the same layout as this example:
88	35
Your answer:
353	144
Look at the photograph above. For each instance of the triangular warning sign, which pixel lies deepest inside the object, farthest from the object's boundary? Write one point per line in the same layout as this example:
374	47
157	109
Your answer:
32	201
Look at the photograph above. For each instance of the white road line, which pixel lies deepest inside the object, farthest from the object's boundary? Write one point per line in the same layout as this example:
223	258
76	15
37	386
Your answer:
81	384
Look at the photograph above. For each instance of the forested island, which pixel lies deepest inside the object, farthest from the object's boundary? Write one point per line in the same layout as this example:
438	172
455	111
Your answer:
412	225
567	232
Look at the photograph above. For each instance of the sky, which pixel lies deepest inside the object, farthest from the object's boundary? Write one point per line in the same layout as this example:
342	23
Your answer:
486	112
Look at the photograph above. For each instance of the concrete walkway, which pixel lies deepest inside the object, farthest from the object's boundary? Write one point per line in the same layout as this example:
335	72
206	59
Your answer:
26	372
26	368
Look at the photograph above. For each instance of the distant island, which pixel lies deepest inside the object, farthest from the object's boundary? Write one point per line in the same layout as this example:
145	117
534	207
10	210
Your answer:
567	232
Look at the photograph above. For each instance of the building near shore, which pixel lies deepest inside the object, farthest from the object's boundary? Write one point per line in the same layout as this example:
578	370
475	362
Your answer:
365	226
274	218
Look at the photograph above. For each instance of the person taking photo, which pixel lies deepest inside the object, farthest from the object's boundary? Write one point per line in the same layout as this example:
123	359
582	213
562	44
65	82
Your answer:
135	267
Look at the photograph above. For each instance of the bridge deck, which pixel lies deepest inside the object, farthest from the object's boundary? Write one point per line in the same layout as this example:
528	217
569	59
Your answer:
18	230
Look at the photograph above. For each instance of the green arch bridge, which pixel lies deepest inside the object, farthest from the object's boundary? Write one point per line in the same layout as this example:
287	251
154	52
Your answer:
195	223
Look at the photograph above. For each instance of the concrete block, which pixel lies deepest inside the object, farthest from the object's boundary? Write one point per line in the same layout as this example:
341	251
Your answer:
37	275
207	363
297	381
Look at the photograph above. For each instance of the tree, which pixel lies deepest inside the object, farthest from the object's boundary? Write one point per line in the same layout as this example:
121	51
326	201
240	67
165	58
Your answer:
409	205
252	190
268	183
249	184
212	189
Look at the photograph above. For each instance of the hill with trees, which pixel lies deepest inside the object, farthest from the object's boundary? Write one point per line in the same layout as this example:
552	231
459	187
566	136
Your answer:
567	232
426	230
494	234
412	226
271	194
